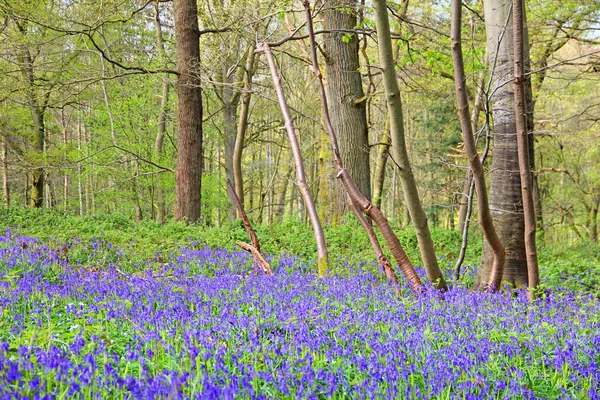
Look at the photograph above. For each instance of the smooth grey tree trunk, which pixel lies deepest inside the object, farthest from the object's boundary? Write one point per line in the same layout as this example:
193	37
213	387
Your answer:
505	191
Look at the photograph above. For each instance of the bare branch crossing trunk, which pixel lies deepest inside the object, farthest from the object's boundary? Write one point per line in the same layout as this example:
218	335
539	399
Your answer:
485	216
356	198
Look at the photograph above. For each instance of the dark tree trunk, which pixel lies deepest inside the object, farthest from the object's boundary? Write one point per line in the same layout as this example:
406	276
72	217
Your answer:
188	177
346	97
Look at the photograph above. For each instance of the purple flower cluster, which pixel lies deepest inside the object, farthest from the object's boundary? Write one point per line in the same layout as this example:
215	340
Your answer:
202	325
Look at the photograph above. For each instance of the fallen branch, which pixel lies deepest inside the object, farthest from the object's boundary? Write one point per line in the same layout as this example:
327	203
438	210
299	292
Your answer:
254	248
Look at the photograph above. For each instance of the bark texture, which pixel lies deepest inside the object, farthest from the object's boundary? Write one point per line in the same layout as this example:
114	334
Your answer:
188	177
505	191
344	91
411	193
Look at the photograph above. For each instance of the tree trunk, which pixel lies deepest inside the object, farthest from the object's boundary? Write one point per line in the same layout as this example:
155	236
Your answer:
162	119
344	90
464	198
382	157
188	176
5	186
409	186
505	192
593	224
300	175
523	144
356	199
242	126
231	99
485	217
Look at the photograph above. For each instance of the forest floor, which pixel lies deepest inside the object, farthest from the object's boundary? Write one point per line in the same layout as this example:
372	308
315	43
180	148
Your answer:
106	308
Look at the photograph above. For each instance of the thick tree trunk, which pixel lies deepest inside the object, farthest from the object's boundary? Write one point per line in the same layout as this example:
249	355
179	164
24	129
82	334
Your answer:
188	177
242	125
505	192
300	175
523	144
161	214
346	97
485	217
409	186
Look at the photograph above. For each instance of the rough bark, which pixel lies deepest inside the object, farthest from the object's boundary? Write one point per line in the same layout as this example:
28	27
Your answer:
409	186
505	191
300	174
345	93
485	217
188	176
162	119
523	144
354	195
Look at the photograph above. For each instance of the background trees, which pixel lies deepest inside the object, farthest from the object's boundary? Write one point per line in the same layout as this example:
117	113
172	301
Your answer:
89	121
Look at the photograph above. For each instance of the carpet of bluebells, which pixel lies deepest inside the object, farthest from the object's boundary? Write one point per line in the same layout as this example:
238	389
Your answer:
83	320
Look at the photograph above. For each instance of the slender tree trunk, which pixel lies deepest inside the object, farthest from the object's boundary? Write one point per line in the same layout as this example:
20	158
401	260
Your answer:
464	198
505	192
188	176
79	169
231	99
242	127
593	224
485	217
523	144
346	97
5	186
300	175
281	195
409	186
382	157
162	119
